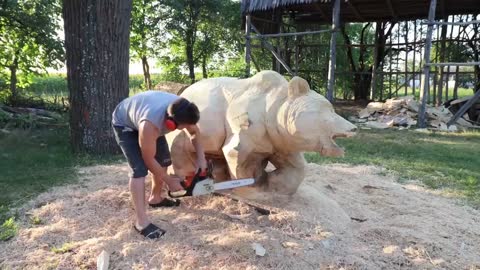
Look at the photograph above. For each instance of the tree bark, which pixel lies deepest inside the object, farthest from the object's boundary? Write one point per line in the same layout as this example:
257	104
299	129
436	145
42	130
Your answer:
190	61
146	73
191	36
361	82
13	82
97	51
204	67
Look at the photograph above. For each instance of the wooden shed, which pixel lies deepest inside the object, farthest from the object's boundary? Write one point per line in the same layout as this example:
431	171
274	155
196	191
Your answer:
264	19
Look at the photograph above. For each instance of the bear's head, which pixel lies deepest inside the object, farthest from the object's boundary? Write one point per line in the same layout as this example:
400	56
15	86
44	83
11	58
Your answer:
310	121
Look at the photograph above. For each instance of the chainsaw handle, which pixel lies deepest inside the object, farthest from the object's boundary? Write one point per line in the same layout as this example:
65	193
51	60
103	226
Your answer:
189	183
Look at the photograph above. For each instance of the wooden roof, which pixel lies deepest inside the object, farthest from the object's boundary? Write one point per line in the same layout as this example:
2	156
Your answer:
320	11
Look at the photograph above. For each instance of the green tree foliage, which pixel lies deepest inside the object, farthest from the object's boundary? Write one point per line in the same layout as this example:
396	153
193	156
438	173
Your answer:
145	34
200	32
29	42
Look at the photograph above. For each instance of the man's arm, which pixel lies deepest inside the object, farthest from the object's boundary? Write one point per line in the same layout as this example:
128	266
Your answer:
147	139
195	138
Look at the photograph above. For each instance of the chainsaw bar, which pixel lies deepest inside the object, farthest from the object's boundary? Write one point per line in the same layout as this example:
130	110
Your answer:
208	186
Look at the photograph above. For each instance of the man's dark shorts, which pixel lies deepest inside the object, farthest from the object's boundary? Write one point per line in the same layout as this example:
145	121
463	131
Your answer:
127	139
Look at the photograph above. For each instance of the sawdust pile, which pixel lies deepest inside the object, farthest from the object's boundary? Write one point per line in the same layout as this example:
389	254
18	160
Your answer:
342	217
402	112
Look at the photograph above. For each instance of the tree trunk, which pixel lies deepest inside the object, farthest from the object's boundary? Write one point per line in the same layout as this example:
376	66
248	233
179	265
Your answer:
189	52
361	84
13	82
146	73
97	50
204	67
361	81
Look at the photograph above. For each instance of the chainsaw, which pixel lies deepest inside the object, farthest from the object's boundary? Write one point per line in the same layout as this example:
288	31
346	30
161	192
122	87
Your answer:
202	183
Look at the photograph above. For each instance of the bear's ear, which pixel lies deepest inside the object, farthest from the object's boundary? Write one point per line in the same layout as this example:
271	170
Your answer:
297	87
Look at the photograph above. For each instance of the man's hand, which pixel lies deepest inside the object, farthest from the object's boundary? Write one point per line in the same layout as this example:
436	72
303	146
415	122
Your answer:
195	138
147	139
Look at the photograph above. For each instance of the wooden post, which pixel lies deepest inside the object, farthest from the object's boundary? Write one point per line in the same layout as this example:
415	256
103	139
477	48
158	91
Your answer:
247	45
435	73
406	58
390	53
373	84
449	59
426	68
397	66
414	55
382	75
333	53
437	57
442	59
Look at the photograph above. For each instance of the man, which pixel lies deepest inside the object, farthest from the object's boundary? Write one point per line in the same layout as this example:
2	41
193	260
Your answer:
140	123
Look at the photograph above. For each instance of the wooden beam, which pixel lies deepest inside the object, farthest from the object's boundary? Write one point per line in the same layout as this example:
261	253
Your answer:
406	58
464	108
426	68
449	56
291	34
454	64
420	42
272	50
414	54
451	23
355	10
442	59
262	20
373	83
392	10
333	49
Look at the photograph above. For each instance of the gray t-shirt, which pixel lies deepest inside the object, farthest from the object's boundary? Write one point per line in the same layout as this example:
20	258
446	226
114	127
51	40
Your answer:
148	105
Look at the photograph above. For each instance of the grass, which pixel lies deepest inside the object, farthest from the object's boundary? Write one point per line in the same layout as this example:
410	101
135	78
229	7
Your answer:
8	229
462	92
66	247
34	160
439	160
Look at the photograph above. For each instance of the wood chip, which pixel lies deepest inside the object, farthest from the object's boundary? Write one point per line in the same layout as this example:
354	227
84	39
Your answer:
290	245
259	249
239	217
103	260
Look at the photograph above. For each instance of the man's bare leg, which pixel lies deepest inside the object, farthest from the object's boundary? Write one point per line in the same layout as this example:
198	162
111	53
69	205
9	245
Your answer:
137	191
157	188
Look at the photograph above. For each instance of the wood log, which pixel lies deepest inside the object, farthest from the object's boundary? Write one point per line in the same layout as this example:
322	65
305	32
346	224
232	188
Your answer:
32	111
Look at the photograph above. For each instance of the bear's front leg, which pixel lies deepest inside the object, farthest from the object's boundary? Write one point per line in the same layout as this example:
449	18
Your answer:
288	175
243	161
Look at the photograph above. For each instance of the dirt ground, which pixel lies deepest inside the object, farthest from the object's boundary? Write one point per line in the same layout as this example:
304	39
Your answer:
342	217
